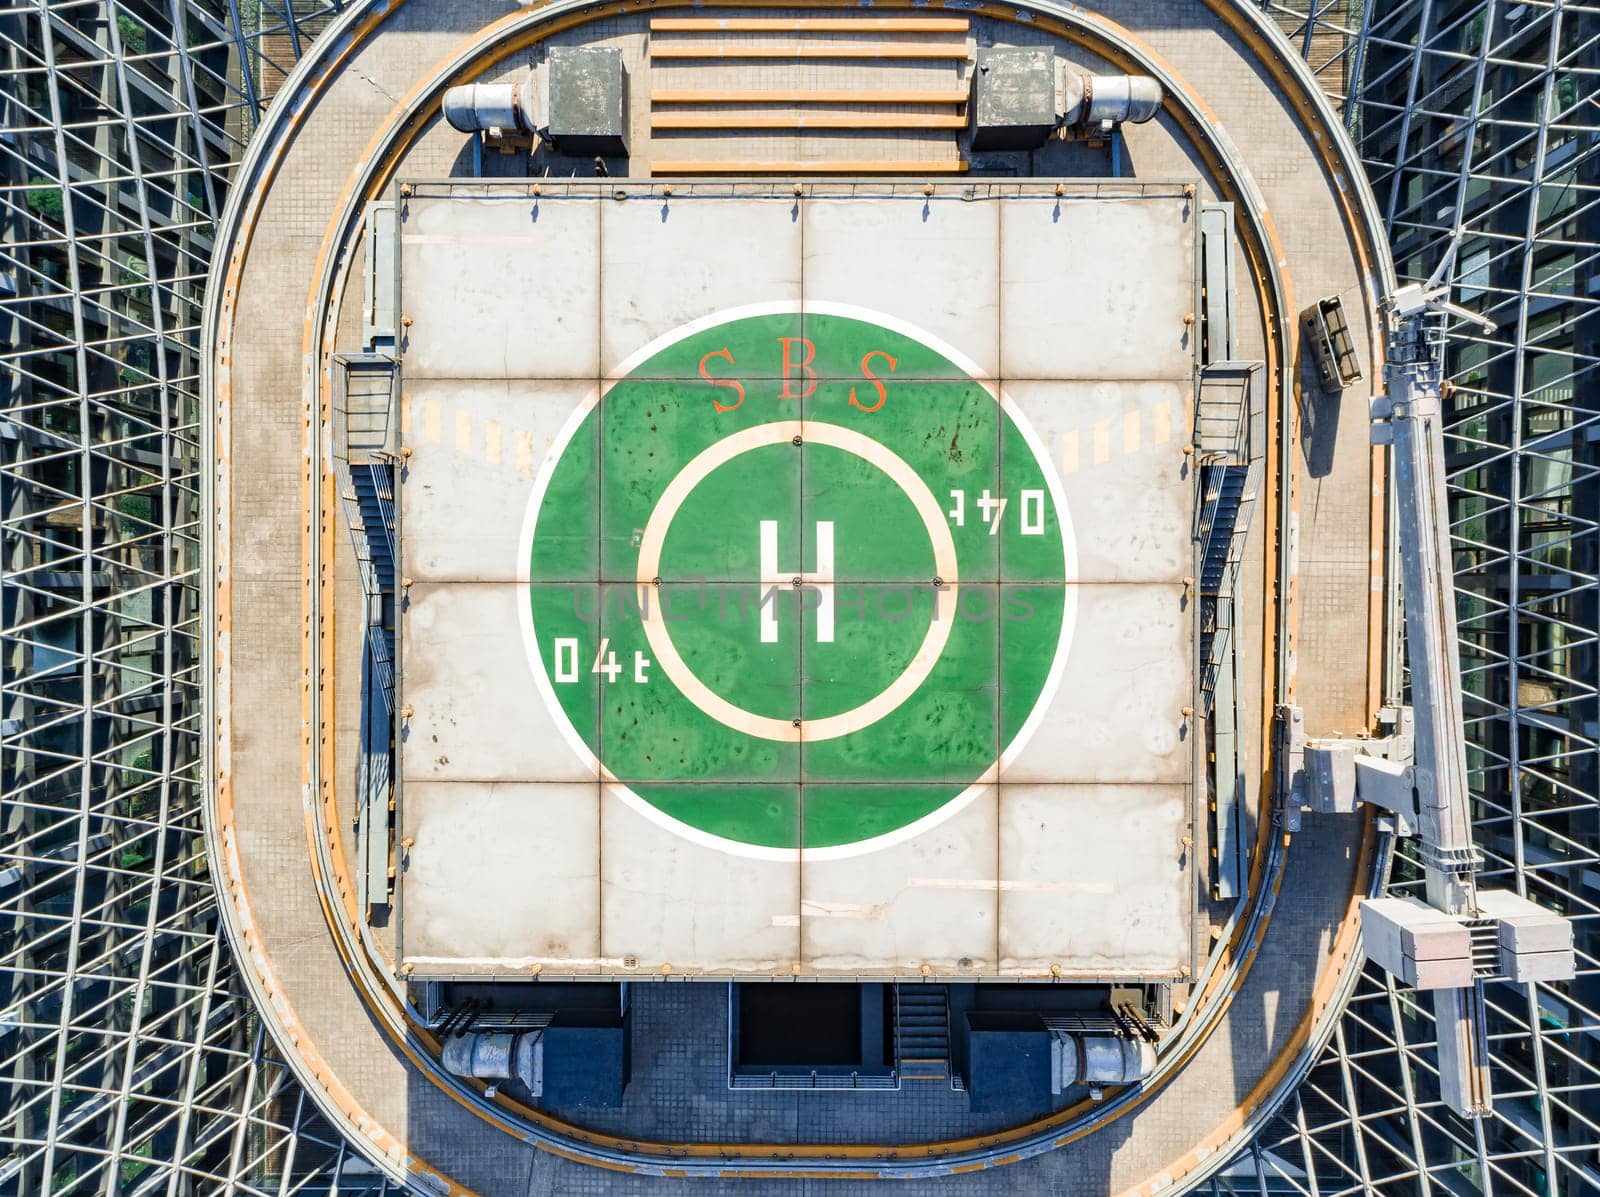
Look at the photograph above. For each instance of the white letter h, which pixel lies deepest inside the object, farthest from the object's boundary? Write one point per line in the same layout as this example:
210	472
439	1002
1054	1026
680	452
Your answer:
820	579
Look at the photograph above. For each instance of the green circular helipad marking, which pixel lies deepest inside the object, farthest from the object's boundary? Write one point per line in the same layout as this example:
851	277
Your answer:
828	588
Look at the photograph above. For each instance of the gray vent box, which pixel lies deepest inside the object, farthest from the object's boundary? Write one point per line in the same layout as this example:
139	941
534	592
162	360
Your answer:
588	101
1015	104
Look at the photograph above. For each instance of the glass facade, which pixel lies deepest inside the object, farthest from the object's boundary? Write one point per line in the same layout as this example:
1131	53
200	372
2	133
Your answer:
1480	128
130	1061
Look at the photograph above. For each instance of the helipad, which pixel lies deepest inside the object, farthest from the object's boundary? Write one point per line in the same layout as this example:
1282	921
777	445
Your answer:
826	618
767	572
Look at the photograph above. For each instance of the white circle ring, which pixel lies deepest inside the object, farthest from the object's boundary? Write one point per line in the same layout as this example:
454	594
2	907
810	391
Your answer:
944	558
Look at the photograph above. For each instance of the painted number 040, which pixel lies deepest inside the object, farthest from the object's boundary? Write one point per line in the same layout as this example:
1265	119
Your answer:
605	662
991	510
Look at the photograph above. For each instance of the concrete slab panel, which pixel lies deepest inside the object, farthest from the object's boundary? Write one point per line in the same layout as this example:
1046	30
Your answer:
1094	879
950	435
944	268
501	288
946	730
668	901
927	899
690	720
790	612
501	877
1096	288
1116	714
477	447
477	714
671	261
1117	448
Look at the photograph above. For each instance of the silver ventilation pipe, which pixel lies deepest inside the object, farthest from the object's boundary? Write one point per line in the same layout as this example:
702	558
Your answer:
1091	101
493	107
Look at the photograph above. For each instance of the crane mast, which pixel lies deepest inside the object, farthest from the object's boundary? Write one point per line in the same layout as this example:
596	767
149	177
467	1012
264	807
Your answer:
1456	938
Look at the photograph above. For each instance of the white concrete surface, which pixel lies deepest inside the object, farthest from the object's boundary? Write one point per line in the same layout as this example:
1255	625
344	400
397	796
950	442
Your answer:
930	900
944	266
668	901
1094	879
476	447
1096	289
500	288
1117	715
501	877
520	307
667	262
476	712
1117	448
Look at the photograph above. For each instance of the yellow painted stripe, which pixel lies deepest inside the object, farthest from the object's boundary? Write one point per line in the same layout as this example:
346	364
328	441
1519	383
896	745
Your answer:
1069	452
808	24
873	50
851	166
713	95
491	441
807	120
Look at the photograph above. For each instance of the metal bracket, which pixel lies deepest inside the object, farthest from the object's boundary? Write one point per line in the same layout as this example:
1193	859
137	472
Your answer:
1330	775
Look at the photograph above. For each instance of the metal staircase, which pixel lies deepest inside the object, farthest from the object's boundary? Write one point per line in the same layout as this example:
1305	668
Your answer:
922	1032
372	486
1228	458
1227	495
365	447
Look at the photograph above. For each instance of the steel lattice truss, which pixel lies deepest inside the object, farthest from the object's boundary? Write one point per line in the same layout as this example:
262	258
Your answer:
131	1059
132	1062
1483	118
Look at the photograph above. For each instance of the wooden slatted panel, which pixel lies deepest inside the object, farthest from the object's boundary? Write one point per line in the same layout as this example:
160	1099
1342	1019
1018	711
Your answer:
864	166
808	24
877	50
715	95
807	120
855	60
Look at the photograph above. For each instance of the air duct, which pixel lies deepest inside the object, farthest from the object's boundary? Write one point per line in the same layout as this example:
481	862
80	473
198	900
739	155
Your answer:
1102	101
1097	1061
492	107
496	1056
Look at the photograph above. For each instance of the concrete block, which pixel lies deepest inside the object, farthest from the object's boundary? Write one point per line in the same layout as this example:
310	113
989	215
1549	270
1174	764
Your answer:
843	265
1133	510
1454	973
500	877
1093	880
503	287
1525	926
1422	947
1538	966
1445	939
588	100
1015	105
1119	273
